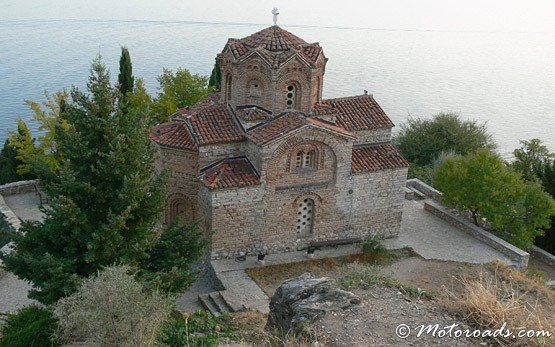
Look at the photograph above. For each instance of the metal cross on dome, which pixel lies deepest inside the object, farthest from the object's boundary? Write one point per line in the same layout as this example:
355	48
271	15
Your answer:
275	12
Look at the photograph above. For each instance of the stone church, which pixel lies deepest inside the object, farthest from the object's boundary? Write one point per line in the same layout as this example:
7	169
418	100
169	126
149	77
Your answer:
268	165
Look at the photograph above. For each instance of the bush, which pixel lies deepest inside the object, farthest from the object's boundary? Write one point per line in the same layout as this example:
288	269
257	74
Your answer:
423	140
31	326
199	329
112	309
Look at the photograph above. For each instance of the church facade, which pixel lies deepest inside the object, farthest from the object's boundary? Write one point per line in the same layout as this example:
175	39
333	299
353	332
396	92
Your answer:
268	165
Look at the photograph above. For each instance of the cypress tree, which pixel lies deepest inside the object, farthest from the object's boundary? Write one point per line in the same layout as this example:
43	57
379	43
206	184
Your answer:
215	77
125	77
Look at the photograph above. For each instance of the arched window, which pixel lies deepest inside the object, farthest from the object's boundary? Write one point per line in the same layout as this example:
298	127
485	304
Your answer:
305	160
291	96
228	87
305	216
181	209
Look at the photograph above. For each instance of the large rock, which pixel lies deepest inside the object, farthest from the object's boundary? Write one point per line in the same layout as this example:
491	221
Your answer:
301	301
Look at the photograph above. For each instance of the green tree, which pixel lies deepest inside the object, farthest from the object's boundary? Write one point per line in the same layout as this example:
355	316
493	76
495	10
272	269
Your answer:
9	163
168	268
178	90
215	77
31	326
125	77
105	198
482	184
530	157
423	140
26	148
547	178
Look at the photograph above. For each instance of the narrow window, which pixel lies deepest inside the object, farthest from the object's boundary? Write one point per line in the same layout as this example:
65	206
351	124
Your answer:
305	213
309	159
299	160
291	94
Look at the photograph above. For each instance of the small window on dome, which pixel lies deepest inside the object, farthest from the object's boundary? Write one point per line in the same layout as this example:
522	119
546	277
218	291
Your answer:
290	96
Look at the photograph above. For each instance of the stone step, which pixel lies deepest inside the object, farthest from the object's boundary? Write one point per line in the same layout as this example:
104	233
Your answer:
220	303
231	302
208	304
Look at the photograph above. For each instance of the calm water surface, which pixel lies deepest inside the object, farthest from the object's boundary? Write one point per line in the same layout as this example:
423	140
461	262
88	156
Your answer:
506	79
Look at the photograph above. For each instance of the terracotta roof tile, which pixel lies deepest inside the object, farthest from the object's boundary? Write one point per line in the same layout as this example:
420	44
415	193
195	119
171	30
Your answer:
354	113
286	123
174	135
280	125
214	124
274	44
230	173
251	114
377	157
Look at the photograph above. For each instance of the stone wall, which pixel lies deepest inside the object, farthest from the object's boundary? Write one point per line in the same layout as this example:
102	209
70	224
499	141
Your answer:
372	136
265	218
513	252
18	187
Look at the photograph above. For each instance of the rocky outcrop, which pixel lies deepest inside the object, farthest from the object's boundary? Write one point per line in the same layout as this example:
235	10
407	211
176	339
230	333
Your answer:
301	301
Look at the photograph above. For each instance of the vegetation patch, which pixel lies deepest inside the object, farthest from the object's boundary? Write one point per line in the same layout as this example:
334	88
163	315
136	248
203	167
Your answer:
31	326
504	295
364	276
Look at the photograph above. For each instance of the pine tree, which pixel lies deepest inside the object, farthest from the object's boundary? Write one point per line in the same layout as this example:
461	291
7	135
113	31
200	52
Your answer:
215	77
105	199
125	77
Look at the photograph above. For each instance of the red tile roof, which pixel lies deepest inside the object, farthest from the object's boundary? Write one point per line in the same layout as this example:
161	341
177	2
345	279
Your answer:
279	126
215	124
286	123
274	44
251	114
354	113
174	135
230	173
377	157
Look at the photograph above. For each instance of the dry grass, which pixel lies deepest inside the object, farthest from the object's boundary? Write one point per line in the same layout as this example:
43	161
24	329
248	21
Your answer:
504	295
269	276
250	325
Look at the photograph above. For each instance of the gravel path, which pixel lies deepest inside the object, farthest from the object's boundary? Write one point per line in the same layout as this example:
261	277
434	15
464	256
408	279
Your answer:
13	292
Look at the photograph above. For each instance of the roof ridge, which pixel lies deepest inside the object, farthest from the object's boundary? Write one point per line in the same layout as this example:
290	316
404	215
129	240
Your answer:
349	97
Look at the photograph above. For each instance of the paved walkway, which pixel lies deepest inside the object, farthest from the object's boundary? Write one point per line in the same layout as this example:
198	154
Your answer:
434	238
25	206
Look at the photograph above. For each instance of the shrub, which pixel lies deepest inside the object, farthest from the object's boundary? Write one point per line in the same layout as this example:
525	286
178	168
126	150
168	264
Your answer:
112	308
423	140
198	329
31	326
373	245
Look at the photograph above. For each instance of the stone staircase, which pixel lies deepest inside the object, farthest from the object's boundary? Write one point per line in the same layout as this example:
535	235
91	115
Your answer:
218	303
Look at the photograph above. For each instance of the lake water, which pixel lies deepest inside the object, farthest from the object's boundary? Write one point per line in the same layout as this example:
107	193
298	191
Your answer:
506	79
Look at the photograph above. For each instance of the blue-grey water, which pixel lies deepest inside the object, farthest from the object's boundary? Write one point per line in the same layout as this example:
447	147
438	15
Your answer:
505	78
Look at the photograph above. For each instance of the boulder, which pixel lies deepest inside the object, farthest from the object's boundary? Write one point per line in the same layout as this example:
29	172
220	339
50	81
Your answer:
301	301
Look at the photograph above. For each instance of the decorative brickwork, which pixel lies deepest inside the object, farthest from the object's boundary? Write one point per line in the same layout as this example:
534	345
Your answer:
268	166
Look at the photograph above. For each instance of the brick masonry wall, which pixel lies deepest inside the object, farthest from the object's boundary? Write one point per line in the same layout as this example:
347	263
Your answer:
264	218
253	81
372	136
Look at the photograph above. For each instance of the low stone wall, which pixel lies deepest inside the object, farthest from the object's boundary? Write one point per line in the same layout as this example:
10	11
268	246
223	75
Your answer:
18	187
514	253
425	189
544	256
